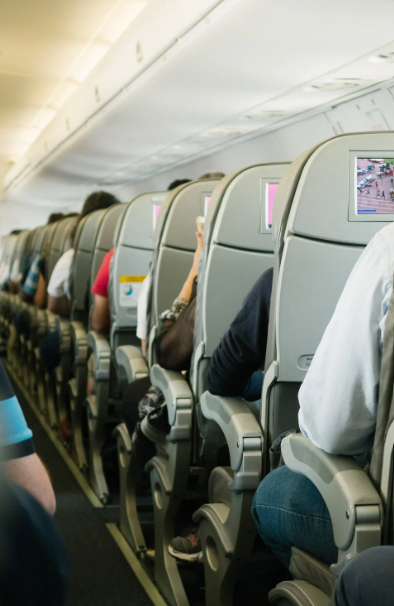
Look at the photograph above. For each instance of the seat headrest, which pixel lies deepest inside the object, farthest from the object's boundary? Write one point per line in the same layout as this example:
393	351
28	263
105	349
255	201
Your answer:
136	228
319	192
176	226
239	214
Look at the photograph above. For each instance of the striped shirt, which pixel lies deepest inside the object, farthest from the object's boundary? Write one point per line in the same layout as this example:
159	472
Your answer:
16	439
31	282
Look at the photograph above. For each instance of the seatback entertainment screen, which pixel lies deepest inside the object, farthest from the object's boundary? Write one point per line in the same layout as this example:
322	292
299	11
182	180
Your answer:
374	186
207	200
270	197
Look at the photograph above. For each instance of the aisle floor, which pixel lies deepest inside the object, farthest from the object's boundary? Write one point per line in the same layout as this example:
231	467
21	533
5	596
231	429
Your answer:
99	573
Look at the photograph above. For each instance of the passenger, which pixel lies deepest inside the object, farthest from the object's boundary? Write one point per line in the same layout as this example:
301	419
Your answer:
338	406
5	269
33	561
59	296
367	579
101	313
19	461
234	369
174	348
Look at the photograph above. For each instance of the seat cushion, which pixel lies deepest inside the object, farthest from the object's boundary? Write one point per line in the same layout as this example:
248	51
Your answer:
218	485
305	567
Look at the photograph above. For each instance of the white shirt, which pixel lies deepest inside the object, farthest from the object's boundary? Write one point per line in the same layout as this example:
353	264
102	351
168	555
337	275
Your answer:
142	308
339	396
59	282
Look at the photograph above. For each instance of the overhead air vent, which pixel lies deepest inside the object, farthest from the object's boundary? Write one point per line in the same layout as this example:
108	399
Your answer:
263	115
335	84
383	58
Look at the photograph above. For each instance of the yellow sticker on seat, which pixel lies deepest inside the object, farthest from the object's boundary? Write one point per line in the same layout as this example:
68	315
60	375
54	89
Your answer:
131	278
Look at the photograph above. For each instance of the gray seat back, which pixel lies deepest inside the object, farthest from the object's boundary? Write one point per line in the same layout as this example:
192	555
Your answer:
17	259
130	264
62	241
27	256
85	238
104	241
238	249
321	227
175	243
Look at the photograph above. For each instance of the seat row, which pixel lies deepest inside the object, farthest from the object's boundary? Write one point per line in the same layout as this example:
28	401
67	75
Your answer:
312	234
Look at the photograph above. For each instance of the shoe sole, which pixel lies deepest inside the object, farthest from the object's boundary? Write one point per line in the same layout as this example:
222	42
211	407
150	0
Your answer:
187	557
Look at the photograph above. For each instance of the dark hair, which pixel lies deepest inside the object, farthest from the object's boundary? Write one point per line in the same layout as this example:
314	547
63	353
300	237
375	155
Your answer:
16	232
53	217
177	183
96	201
211	176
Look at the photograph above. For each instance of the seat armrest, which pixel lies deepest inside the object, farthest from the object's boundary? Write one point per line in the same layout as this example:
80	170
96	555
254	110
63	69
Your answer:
41	322
63	327
100	347
348	492
79	336
51	320
179	399
243	436
132	361
151	346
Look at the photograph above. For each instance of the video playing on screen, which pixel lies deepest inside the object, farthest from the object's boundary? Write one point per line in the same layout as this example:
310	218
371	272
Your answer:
156	210
374	185
270	197
206	204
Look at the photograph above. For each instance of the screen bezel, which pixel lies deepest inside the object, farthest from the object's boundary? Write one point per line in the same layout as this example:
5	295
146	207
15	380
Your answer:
264	182
203	195
364	217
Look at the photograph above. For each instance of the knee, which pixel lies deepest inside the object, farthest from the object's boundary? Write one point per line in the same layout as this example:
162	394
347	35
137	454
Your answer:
367	579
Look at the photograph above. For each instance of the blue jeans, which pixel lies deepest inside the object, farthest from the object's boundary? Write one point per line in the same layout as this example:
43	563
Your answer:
368	579
290	512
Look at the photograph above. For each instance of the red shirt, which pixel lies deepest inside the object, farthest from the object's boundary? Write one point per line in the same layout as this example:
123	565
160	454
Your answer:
100	286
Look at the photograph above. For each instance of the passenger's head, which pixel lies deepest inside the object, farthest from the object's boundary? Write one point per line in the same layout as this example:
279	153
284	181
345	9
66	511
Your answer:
211	176
177	183
16	232
97	201
53	217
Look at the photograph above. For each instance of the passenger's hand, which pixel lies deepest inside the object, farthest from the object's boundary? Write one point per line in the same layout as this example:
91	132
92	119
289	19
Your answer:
200	246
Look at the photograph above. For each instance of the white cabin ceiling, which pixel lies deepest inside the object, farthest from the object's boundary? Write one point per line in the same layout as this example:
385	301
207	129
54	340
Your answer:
207	76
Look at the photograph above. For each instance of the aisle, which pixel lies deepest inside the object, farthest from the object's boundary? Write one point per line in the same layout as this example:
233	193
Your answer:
99	573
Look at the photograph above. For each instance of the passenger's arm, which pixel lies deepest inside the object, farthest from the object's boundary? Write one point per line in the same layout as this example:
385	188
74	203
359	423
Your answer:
241	351
58	302
60	305
100	317
174	347
26	297
18	458
339	396
193	273
40	298
29	473
12	287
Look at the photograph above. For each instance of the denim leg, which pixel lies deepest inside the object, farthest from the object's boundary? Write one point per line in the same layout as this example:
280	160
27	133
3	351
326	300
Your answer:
50	353
368	580
290	512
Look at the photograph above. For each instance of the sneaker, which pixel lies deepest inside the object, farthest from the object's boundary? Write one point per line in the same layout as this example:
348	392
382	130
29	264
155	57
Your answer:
155	425
187	548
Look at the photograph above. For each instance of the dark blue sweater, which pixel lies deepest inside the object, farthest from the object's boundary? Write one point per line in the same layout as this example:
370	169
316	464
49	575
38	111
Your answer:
241	352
